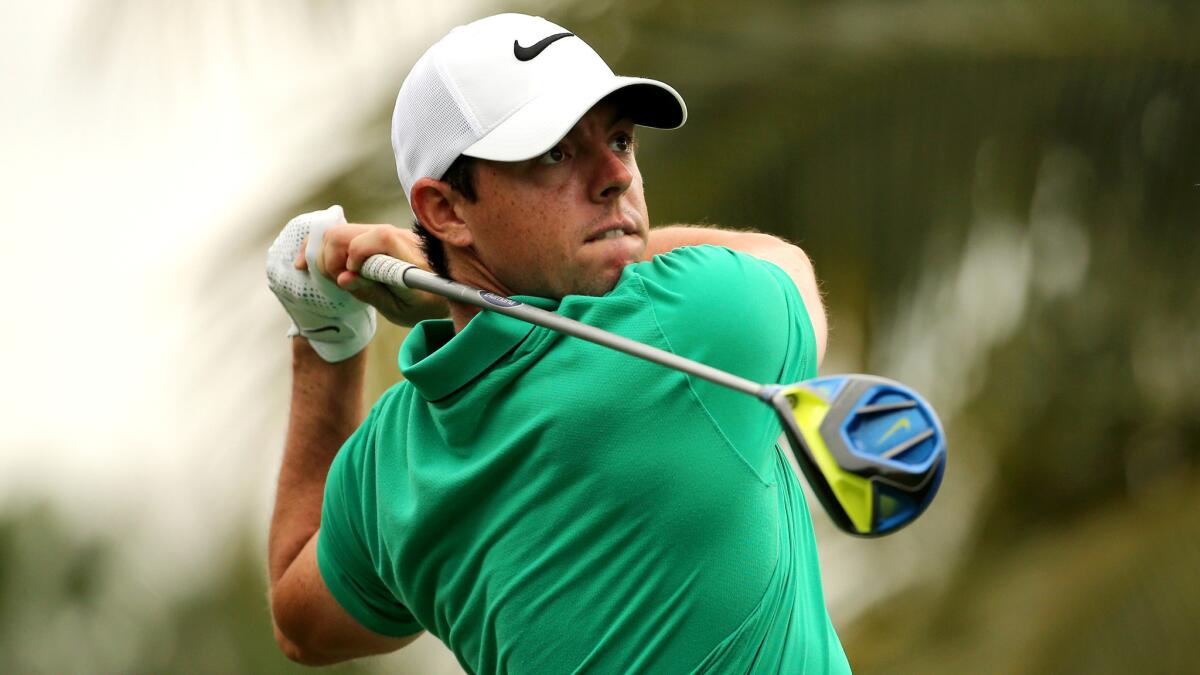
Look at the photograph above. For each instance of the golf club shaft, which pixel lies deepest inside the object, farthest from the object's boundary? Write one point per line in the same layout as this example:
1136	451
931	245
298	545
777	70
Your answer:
388	270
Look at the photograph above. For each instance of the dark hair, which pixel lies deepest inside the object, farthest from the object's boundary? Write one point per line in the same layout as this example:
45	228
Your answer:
461	178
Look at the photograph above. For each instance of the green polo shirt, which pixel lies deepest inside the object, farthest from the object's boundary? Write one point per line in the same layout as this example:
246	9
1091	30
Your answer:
545	505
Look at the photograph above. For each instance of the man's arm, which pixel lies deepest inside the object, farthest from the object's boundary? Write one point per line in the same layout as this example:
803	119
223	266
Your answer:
790	258
310	626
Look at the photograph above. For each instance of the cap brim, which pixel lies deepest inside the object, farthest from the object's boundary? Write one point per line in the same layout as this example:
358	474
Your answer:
540	124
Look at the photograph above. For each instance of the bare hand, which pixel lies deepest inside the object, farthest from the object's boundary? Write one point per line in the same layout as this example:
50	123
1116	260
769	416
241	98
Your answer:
344	250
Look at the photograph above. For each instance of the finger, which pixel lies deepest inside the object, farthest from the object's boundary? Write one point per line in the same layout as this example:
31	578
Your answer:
338	242
350	281
368	291
363	246
332	259
314	250
382	239
300	262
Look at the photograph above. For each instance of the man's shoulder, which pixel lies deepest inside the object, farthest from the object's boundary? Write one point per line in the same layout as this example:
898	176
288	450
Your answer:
390	407
718	305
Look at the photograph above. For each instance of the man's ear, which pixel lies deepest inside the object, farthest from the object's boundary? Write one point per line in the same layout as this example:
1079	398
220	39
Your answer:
435	203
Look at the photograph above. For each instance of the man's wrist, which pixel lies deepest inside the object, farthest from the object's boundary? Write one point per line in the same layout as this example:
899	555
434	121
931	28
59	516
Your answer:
330	390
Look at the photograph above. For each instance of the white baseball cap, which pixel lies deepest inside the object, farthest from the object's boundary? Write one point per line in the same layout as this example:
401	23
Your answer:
508	88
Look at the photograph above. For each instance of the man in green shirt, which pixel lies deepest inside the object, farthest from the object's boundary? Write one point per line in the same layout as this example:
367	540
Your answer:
539	503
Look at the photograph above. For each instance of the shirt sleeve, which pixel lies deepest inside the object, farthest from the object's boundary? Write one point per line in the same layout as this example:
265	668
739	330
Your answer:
347	554
741	314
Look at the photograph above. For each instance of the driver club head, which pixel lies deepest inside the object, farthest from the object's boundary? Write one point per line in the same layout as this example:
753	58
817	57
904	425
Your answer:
871	448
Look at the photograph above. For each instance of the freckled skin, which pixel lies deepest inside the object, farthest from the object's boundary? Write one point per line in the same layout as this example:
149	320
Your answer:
530	224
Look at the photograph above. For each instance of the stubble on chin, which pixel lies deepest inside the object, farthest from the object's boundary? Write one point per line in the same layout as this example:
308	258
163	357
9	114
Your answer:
604	281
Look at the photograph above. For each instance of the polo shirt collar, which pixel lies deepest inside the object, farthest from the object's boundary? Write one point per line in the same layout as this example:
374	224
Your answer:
488	337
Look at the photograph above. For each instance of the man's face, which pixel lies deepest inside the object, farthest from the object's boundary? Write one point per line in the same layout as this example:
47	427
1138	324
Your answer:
539	226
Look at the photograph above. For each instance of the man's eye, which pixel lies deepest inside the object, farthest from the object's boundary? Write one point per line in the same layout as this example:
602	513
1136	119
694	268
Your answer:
552	156
623	143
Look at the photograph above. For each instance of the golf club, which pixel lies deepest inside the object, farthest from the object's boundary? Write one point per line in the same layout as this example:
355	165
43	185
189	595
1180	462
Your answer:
872	450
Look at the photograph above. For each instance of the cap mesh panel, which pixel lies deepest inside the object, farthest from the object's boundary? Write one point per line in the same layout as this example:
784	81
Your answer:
429	130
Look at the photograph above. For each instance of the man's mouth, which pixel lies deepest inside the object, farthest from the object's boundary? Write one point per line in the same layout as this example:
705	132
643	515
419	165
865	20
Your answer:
613	232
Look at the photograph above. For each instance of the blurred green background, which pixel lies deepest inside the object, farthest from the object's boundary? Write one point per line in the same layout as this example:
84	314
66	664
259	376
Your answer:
1000	198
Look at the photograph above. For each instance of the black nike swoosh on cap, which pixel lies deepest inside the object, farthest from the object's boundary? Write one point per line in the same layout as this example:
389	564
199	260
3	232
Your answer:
529	53
323	329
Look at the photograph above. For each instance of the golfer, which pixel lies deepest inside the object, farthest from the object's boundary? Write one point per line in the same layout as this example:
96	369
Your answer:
538	503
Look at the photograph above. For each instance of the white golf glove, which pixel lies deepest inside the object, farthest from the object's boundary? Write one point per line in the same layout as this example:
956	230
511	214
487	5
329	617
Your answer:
337	324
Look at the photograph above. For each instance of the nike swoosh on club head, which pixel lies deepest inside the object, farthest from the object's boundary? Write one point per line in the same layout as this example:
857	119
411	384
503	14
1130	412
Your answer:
530	53
901	423
323	329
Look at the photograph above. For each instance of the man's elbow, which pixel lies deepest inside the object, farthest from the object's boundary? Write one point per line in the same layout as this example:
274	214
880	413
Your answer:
294	652
290	649
309	638
298	654
295	636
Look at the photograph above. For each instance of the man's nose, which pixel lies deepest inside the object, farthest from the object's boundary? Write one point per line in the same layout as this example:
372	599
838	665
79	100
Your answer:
612	177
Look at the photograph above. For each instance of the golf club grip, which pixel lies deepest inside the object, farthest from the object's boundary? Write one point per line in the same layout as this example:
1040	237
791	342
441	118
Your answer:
388	270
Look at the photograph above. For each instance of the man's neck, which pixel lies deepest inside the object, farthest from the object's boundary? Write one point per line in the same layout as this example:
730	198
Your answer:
461	314
470	271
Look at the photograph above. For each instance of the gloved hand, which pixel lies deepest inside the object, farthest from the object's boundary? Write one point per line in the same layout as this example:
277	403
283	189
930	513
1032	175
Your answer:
337	324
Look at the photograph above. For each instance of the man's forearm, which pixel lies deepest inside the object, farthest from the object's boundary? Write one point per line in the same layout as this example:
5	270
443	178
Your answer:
671	237
326	408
